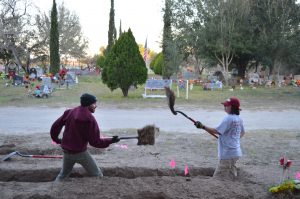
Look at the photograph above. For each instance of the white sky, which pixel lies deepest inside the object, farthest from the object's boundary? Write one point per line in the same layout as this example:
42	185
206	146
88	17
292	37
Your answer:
144	17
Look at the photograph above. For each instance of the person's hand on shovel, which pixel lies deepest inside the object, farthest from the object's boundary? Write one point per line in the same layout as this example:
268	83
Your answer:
199	125
211	131
115	139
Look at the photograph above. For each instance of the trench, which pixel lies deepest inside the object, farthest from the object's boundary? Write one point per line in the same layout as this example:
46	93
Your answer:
47	175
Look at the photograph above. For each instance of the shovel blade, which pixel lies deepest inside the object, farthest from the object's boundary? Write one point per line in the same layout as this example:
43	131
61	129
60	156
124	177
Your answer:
7	157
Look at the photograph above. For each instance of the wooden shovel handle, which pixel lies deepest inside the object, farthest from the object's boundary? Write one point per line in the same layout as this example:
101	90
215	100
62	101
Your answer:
126	138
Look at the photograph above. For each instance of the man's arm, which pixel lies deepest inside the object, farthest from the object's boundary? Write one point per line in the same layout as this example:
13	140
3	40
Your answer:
94	138
57	127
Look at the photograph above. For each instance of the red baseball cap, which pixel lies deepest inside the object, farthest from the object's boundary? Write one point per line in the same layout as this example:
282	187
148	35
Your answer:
233	101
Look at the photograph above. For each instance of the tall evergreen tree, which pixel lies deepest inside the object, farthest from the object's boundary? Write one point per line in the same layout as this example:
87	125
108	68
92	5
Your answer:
167	43
112	32
120	29
124	65
54	41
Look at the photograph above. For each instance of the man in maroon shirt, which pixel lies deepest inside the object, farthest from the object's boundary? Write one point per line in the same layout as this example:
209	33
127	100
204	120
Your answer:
81	128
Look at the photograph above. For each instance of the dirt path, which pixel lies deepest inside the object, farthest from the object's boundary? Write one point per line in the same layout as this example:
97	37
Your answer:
16	120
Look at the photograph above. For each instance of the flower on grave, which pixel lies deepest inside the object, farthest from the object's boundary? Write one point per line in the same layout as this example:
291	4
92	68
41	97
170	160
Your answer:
288	163
281	161
285	186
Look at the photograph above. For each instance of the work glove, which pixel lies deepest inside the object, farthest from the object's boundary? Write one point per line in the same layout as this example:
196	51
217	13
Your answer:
115	139
58	141
199	125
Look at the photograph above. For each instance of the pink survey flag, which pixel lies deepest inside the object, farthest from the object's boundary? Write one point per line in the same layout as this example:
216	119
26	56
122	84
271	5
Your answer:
186	170
172	164
297	176
53	143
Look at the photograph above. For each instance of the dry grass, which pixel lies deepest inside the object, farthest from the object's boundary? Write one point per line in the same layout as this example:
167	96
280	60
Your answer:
285	97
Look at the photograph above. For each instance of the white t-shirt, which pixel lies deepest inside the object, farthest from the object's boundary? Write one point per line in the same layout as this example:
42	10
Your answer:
230	131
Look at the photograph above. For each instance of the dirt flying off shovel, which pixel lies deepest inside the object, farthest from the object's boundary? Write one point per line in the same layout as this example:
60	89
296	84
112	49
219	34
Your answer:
171	102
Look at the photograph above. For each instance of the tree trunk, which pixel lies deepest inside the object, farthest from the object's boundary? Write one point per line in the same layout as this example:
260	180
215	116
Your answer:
125	91
256	66
241	66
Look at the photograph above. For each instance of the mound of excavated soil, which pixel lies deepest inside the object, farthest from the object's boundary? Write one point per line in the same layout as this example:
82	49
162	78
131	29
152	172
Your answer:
137	171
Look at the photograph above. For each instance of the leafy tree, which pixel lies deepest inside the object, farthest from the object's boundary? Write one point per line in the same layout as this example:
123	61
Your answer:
188	20
223	33
100	61
124	65
238	32
5	56
112	32
72	43
277	26
54	41
22	33
157	64
27	35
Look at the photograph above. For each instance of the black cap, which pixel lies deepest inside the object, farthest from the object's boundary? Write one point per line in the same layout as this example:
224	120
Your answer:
87	99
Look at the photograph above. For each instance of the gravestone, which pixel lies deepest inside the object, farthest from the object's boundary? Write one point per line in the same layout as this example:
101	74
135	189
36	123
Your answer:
156	84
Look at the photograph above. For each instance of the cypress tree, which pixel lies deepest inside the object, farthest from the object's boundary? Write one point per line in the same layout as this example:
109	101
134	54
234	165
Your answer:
167	40
120	29
124	65
54	41
112	32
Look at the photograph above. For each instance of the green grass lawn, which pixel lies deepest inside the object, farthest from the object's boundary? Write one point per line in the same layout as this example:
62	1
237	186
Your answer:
285	97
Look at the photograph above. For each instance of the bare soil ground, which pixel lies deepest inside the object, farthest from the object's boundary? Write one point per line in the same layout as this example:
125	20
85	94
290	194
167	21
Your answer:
132	171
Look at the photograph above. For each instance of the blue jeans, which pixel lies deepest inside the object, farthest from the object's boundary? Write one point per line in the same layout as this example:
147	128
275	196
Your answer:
83	158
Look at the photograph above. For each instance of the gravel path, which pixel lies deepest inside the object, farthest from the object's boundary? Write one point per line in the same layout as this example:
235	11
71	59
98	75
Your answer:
15	120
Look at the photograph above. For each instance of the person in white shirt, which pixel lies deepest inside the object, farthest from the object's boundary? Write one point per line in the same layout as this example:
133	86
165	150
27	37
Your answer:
229	132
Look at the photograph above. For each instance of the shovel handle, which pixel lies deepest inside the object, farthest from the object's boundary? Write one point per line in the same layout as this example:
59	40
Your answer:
194	121
38	156
126	138
186	116
212	134
45	156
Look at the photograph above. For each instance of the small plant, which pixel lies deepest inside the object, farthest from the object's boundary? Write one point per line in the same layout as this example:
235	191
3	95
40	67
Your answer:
286	185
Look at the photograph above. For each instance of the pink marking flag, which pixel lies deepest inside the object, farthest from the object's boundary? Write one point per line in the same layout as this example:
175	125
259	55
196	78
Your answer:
297	176
172	164
186	170
53	143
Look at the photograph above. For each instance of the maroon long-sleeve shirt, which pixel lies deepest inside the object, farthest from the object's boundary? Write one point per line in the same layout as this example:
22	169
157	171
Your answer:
81	128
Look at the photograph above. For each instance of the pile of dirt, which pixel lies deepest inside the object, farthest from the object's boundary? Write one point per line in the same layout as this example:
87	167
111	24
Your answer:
143	171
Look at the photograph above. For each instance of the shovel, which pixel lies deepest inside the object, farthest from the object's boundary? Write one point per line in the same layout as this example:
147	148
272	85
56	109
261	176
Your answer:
171	102
7	157
127	138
